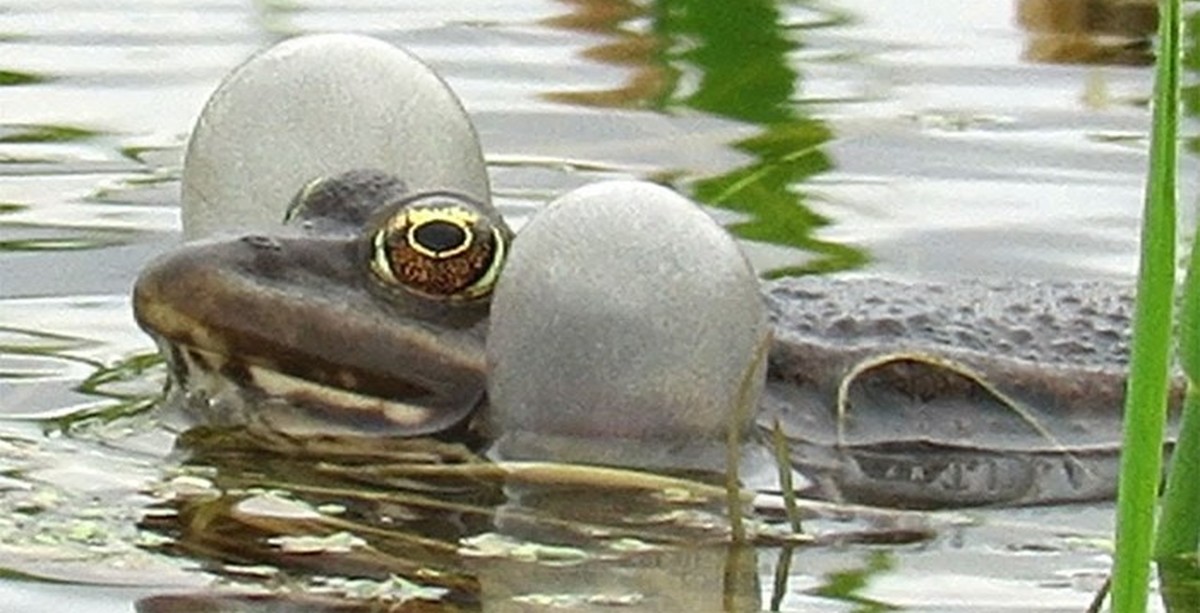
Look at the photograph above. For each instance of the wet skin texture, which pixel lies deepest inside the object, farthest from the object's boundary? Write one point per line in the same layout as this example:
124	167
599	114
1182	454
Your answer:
967	393
304	317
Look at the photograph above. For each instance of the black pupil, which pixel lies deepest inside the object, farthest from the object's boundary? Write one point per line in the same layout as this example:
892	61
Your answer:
439	236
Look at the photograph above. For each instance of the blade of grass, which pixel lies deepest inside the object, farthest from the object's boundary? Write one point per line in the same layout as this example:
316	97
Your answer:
1179	528
1179	522
747	401
1179	519
1146	394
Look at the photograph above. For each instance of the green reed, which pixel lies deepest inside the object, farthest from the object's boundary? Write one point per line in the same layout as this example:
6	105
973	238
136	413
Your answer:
1179	523
1150	359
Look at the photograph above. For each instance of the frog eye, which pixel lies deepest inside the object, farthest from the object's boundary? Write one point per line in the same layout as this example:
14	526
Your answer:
442	250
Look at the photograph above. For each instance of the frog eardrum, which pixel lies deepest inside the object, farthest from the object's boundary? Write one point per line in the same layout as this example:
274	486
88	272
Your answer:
439	246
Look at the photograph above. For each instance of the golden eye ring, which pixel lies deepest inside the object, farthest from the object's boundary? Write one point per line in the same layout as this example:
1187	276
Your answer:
439	248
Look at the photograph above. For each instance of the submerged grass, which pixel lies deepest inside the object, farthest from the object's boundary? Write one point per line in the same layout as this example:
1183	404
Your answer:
1150	360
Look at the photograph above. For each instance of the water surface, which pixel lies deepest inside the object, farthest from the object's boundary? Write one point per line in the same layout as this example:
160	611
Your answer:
940	139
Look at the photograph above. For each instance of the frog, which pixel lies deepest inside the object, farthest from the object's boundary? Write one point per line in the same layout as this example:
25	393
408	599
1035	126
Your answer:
914	393
897	392
281	232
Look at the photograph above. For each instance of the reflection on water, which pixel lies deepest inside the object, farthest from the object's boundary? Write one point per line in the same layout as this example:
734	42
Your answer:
847	584
731	61
428	521
13	77
1111	32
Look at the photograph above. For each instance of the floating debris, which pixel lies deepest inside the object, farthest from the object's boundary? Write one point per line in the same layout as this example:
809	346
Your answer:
338	542
571	601
276	505
492	545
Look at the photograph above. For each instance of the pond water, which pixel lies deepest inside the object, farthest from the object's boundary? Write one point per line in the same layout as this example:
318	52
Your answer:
933	140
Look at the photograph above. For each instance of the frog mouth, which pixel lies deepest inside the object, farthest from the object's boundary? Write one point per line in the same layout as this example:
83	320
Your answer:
217	390
256	334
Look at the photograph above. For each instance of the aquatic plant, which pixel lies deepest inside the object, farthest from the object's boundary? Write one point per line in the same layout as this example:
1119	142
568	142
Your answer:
1150	360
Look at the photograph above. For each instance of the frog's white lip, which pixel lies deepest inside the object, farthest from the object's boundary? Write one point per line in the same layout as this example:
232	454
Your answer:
307	393
290	404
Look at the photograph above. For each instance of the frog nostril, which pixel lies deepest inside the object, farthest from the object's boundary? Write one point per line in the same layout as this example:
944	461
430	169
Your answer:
440	237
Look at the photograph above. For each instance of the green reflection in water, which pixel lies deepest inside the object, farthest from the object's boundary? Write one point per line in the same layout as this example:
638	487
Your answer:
40	133
741	51
124	384
737	54
136	188
128	387
14	77
23	341
146	154
846	584
57	244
